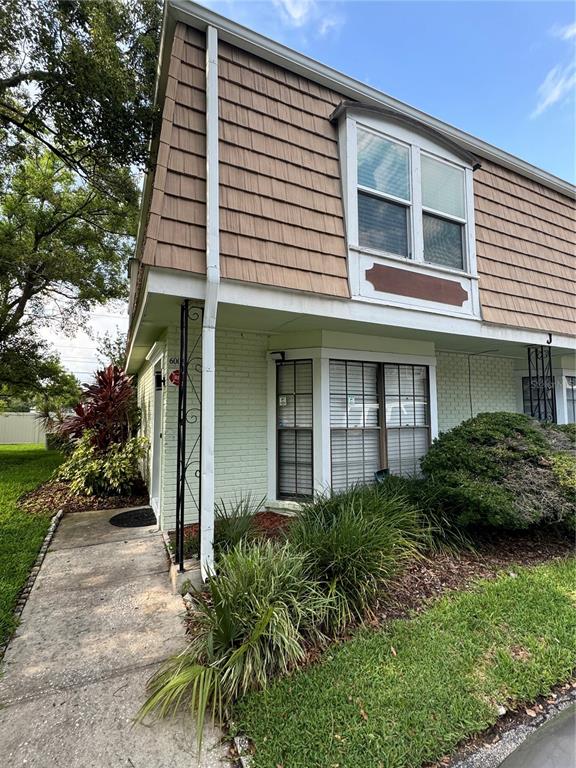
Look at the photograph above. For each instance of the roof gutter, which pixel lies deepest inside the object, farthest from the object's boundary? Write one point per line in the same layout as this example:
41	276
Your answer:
200	17
210	308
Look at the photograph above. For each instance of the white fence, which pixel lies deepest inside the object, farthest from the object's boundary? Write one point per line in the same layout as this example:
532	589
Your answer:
21	428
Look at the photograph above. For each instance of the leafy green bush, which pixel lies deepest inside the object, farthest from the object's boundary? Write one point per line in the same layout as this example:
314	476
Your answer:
112	472
353	542
440	531
497	470
251	622
234	520
57	442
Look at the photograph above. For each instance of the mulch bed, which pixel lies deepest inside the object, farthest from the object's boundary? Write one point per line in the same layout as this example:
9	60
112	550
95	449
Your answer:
268	524
53	496
432	577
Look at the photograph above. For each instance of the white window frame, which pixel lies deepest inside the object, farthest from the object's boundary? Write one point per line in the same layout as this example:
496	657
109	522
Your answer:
321	357
418	144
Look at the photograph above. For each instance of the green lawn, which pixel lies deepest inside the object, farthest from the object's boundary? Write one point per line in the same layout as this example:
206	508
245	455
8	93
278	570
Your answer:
22	468
400	697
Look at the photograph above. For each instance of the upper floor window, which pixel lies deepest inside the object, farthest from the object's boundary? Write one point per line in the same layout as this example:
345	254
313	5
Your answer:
411	202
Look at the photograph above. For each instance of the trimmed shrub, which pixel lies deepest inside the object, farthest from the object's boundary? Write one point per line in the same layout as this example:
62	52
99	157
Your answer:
497	469
353	542
251	622
113	472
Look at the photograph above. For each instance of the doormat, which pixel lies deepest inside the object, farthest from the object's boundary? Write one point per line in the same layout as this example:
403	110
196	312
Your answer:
134	518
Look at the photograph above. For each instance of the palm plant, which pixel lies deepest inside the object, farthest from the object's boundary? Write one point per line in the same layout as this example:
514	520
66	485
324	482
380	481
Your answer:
251	622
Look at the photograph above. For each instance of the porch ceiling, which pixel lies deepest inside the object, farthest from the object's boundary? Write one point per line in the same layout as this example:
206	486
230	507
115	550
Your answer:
161	311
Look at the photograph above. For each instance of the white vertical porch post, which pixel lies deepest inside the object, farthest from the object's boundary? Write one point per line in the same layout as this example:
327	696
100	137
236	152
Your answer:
433	395
210	308
321	411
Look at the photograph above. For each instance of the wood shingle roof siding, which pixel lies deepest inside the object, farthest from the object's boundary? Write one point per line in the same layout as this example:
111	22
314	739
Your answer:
176	231
526	247
281	209
281	214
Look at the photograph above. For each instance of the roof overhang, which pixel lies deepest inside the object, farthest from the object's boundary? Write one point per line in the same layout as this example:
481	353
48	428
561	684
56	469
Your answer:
230	31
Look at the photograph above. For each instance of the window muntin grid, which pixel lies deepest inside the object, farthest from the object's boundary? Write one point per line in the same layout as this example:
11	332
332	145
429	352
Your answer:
294	422
379	416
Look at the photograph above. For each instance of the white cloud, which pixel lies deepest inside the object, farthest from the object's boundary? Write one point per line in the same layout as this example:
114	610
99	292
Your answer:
564	33
315	15
296	12
558	86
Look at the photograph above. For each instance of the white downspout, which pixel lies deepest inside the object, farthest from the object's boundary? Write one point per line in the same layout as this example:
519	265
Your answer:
210	307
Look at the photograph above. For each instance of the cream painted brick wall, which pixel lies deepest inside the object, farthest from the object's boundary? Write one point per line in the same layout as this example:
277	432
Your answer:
241	420
492	384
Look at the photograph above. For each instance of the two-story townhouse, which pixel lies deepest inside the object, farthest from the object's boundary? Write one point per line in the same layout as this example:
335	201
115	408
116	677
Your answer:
325	278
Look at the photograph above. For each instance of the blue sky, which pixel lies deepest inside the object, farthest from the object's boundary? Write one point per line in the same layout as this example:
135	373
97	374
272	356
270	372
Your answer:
504	71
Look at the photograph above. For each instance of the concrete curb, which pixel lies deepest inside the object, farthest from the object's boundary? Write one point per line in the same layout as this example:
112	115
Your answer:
491	755
27	588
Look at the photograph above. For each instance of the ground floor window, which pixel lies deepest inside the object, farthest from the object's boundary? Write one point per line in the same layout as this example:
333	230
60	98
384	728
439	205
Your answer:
379	418
571	399
294	428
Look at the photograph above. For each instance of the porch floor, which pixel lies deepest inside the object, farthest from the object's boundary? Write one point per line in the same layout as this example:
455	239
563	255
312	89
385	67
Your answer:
100	617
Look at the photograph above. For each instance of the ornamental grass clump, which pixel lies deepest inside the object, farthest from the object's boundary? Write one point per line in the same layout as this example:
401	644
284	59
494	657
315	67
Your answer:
234	521
354	542
253	620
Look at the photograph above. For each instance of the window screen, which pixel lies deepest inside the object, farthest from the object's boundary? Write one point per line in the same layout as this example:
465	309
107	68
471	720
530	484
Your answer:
407	408
442	187
294	428
383	165
379	416
382	225
571	398
443	241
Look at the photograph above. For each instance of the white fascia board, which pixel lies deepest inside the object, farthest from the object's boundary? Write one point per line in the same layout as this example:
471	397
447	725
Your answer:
199	17
135	322
187	285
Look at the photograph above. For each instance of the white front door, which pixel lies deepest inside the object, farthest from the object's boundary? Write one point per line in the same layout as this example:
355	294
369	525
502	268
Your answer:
156	444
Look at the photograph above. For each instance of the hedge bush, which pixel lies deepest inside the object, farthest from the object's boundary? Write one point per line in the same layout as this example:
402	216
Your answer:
504	470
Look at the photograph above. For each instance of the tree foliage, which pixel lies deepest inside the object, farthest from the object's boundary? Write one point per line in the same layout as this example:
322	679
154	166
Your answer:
111	348
59	240
78	76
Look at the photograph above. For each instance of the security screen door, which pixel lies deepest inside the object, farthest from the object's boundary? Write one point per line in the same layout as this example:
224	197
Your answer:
294	428
379	417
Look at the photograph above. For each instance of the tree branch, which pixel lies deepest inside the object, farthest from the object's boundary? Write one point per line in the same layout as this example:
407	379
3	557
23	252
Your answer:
37	75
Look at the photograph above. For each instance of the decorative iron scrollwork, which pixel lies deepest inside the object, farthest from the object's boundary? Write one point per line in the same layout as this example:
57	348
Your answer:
541	384
189	416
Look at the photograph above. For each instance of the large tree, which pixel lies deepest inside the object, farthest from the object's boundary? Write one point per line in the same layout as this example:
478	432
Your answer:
77	76
64	246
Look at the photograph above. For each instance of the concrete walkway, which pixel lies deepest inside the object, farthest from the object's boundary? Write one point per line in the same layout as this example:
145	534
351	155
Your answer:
99	619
